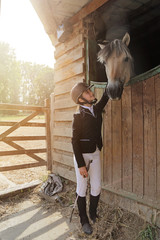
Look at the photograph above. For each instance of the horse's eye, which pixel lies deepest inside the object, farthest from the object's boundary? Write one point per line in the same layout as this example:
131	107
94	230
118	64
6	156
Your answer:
126	59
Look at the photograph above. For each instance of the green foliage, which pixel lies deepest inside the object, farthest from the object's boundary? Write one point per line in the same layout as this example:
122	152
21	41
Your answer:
149	233
37	83
10	76
23	82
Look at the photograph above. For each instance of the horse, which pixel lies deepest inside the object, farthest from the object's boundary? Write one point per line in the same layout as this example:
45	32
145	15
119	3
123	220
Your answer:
111	26
118	63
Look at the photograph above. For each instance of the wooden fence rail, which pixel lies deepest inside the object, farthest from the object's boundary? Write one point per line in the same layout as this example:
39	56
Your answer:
10	140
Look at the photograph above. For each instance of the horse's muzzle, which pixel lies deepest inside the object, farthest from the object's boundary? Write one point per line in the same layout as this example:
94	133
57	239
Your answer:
115	90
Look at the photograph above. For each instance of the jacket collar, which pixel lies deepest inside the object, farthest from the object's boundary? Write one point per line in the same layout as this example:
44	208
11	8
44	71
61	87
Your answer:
85	110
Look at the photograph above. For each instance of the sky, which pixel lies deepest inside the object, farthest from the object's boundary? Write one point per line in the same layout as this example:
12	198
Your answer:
21	27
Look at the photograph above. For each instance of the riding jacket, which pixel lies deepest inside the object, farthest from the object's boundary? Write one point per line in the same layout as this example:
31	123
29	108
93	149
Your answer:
86	130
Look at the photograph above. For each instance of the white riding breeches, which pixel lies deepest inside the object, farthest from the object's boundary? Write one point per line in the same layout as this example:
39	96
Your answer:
94	174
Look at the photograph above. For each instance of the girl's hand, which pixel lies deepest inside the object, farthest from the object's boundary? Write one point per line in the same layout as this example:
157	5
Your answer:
83	172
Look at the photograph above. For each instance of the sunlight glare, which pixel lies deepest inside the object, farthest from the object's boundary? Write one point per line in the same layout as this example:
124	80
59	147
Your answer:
21	27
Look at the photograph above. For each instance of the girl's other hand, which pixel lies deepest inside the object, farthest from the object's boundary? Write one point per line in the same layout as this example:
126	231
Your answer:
83	172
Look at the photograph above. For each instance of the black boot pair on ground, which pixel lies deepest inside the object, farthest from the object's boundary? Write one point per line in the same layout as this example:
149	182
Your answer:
86	227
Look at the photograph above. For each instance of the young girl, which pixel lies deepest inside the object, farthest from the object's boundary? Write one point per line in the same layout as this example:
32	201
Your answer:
87	144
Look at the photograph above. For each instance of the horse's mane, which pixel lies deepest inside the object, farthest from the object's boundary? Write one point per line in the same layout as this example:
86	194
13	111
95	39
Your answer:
116	45
119	47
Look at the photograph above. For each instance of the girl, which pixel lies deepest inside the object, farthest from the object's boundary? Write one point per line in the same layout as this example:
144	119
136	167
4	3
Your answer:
87	144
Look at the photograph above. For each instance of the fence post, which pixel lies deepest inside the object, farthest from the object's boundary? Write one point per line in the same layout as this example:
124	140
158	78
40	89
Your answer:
48	134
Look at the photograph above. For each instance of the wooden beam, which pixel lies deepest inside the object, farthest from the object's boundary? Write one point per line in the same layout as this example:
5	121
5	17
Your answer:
18	188
28	151
20	107
63	146
28	124
18	124
89	8
48	134
25	138
32	155
22	166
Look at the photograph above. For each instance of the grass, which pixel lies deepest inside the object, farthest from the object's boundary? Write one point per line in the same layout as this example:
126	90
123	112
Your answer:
149	233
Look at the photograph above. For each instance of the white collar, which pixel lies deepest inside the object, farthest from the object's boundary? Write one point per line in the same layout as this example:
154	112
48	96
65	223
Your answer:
89	108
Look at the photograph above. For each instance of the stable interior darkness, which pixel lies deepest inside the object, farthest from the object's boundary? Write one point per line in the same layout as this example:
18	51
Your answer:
144	29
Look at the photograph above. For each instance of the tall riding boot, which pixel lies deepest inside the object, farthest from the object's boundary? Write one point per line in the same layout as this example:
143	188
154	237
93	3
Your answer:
93	207
86	227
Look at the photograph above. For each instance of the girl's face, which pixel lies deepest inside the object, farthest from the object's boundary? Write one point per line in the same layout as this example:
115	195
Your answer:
88	95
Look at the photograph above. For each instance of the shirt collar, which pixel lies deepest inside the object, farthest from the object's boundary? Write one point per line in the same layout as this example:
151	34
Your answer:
89	108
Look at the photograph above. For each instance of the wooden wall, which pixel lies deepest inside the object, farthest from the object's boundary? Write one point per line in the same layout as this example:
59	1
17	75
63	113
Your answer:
131	132
131	160
69	69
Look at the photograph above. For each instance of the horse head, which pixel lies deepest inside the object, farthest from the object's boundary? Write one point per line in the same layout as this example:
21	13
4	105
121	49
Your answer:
118	63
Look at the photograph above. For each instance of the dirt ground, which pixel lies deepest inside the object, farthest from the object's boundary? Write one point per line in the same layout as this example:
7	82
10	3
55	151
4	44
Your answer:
113	223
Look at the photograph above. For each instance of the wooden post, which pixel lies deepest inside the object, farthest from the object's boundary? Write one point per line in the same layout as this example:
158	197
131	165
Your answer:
52	125
48	134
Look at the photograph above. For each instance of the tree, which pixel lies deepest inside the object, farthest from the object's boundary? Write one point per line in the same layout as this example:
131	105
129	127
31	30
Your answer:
23	81
10	75
37	83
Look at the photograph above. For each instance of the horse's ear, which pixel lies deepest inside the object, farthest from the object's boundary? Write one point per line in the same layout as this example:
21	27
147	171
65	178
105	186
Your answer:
101	45
126	39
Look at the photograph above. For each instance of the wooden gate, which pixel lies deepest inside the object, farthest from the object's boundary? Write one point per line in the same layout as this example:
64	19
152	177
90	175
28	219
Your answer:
11	140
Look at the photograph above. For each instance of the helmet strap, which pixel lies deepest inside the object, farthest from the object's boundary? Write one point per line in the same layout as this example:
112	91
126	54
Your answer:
86	101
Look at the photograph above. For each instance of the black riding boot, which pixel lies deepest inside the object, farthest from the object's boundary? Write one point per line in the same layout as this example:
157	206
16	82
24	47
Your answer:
93	207
86	227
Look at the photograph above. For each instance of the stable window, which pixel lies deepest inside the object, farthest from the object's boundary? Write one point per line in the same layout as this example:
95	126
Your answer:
144	28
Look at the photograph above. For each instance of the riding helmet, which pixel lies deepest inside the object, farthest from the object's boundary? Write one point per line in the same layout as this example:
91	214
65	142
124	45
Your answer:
78	90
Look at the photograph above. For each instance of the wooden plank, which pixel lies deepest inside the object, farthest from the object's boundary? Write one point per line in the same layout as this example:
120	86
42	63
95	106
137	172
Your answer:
22	166
138	141
64	102
64	47
28	151
20	107
136	201
69	71
69	57
48	135
32	155
18	189
63	159
64	146
157	94
66	86
127	139
65	173
17	125
28	124
63	116
116	144
85	11
25	138
92	55
145	75
62	131
149	138
107	145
